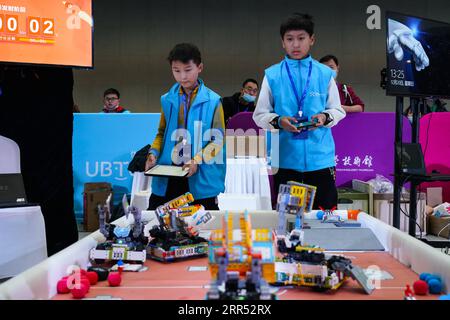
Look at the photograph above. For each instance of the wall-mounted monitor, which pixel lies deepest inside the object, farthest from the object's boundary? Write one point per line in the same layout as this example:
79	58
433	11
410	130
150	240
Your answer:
418	56
46	32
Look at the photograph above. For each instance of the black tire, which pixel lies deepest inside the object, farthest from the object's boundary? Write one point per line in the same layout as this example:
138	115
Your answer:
99	261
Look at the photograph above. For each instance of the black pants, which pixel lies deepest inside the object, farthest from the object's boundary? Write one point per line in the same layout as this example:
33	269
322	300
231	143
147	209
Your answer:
175	188
324	180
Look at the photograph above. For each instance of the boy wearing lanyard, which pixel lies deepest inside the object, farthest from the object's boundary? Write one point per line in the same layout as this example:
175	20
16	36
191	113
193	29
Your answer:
296	90
190	134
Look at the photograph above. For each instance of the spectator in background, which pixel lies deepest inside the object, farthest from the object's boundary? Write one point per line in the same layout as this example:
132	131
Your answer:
435	105
349	100
111	102
425	106
243	101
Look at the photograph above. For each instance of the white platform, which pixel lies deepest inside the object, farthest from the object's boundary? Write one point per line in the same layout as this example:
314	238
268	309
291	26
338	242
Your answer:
22	240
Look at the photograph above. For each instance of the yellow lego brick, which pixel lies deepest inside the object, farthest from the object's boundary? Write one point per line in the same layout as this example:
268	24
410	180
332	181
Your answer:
268	272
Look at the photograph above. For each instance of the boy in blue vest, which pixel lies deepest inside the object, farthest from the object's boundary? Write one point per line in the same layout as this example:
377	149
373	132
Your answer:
296	90
191	134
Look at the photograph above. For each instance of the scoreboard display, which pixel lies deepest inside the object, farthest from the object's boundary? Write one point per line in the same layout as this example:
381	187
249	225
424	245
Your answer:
46	32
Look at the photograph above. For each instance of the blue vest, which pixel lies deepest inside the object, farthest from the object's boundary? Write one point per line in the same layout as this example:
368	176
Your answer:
209	180
318	151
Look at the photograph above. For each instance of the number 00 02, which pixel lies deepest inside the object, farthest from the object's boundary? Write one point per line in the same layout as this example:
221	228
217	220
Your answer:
41	26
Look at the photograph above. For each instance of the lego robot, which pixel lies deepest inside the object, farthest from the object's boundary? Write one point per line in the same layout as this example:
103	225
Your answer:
177	235
293	198
122	243
241	263
312	267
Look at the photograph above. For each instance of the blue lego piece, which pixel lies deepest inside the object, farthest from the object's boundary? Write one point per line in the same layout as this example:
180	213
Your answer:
320	215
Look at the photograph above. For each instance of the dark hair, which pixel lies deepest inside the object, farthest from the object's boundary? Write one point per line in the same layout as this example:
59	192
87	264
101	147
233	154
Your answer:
111	91
185	52
250	80
297	21
328	58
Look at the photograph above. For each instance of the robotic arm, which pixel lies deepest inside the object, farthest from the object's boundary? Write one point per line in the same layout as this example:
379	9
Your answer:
402	38
137	215
102	212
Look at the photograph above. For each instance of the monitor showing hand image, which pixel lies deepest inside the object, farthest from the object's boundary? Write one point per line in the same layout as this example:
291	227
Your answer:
418	53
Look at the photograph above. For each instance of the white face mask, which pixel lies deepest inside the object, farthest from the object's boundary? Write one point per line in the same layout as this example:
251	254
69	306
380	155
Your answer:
410	118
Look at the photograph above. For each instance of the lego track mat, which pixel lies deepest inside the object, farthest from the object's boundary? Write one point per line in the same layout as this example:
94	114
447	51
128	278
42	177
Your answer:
332	238
174	281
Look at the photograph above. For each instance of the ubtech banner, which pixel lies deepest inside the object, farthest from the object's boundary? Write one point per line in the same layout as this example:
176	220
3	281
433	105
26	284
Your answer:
103	146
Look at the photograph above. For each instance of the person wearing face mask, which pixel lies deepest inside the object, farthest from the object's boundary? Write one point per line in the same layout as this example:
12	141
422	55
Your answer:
243	101
426	106
111	102
349	100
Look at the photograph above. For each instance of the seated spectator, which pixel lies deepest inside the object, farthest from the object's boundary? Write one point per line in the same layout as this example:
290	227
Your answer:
243	101
349	100
425	106
436	105
111	102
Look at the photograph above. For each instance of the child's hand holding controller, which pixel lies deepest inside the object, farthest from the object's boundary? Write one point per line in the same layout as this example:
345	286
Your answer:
289	124
318	120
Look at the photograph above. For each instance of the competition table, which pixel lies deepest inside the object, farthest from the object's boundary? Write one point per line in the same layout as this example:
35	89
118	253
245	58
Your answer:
403	257
174	281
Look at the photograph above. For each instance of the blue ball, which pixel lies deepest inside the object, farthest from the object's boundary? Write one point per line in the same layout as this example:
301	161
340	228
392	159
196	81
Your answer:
444	297
320	215
435	276
435	286
423	276
429	277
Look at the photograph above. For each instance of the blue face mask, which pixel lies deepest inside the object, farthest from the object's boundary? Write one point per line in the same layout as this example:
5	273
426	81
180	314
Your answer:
248	98
334	74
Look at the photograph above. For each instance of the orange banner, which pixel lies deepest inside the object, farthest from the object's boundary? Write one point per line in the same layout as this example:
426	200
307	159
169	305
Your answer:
52	32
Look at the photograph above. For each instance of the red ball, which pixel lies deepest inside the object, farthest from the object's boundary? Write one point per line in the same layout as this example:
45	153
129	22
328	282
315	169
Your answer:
79	292
86	282
420	287
114	279
93	277
81	272
61	286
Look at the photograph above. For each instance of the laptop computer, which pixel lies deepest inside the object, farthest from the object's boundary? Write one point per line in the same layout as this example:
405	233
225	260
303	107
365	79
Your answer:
411	160
12	191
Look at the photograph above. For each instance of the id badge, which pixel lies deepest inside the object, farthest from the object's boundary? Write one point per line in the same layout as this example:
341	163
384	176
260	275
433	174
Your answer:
303	135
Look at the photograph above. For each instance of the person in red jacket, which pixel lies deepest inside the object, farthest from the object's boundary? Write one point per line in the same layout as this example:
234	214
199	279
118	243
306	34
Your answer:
111	102
349	100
